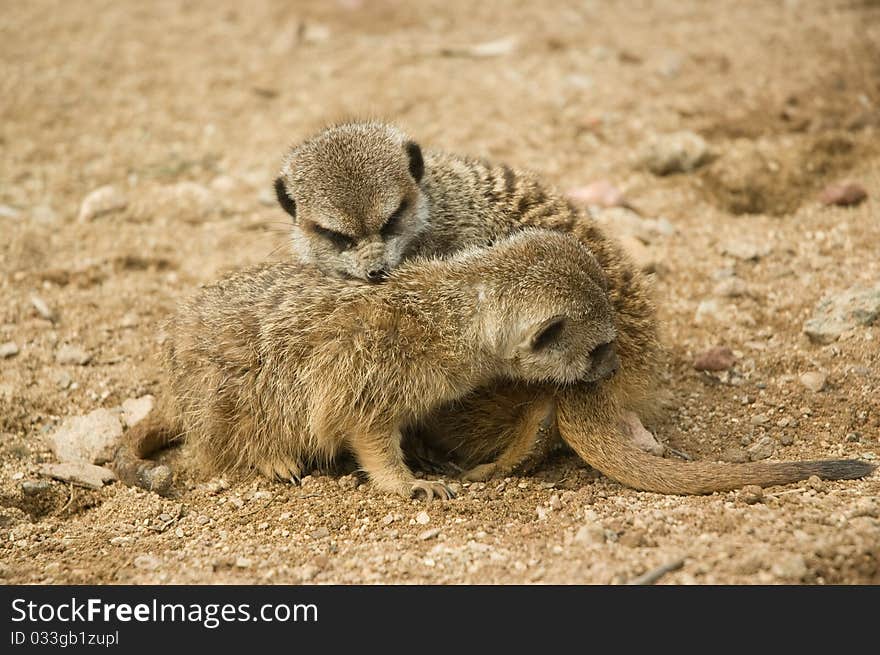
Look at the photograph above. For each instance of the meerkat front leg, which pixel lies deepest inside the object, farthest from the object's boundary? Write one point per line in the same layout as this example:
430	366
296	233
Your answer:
283	468
537	424
380	455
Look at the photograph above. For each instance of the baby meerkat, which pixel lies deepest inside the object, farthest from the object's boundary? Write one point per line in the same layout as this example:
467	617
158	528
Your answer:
364	197
280	367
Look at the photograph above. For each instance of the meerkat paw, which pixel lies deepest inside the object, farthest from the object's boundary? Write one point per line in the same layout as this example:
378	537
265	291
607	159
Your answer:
633	430
430	489
481	472
282	468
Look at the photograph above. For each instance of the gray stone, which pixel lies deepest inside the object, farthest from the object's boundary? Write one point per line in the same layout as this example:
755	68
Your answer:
90	438
80	473
841	312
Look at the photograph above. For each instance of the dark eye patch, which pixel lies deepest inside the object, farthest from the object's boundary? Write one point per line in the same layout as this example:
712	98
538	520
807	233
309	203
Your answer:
341	241
393	223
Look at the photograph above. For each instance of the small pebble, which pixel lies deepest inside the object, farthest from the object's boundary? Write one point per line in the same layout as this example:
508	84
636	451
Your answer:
42	308
759	419
320	533
72	355
34	487
844	194
101	201
147	562
422	518
746	250
601	193
792	568
814	380
786	439
679	152
134	410
751	494
429	534
80	473
719	358
8	349
732	287
735	455
762	448
590	534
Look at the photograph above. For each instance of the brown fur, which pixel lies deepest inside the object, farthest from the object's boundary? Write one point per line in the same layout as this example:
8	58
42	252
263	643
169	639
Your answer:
279	367
350	178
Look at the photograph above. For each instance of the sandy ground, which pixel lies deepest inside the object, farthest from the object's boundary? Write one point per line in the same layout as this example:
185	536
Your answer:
187	109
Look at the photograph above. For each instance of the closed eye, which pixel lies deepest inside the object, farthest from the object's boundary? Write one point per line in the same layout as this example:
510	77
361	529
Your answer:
393	223
341	241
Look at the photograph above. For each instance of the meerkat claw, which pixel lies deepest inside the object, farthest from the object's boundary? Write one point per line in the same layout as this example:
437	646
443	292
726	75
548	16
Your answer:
480	473
431	489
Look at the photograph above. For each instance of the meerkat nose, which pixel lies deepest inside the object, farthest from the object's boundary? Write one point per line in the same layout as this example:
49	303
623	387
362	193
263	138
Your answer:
605	361
377	274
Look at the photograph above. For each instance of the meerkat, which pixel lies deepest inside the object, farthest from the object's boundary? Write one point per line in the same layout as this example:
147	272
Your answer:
363	197
280	367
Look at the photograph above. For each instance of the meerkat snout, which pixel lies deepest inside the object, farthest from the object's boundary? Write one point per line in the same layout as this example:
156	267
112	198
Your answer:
604	362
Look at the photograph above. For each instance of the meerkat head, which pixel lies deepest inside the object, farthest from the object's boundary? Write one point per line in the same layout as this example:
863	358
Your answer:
549	317
353	193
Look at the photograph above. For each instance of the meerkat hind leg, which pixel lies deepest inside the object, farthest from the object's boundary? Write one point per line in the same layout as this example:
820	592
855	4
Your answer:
633	431
536	425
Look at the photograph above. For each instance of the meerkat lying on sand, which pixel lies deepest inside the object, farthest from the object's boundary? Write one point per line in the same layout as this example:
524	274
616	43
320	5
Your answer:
280	367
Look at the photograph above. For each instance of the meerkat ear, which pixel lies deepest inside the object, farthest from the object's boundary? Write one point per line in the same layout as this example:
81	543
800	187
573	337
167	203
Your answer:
544	335
286	202
416	163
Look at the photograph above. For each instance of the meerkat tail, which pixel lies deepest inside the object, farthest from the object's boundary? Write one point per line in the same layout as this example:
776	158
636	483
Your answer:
589	426
147	437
